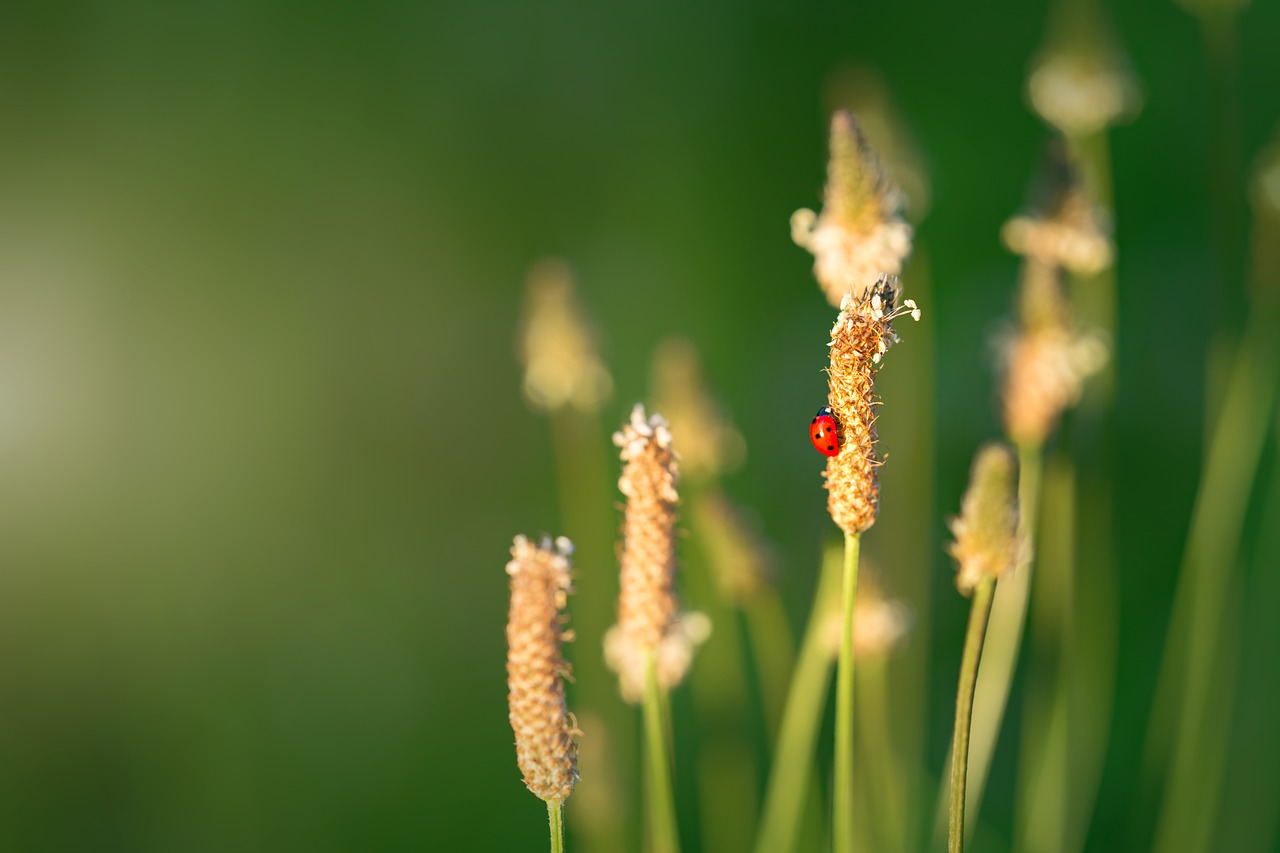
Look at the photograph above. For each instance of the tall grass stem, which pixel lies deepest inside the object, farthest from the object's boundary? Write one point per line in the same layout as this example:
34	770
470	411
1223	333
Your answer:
788	785
662	809
842	805
979	613
555	820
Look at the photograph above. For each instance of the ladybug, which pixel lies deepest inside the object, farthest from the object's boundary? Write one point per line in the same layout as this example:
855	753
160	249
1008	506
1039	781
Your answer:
824	432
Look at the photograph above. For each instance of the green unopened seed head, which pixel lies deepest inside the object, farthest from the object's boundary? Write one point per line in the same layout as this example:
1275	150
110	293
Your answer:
986	542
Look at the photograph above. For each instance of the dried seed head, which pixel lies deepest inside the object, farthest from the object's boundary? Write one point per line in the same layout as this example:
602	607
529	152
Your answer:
859	234
1045	363
1081	81
861	335
709	443
986	531
540	585
1062	228
648	619
557	345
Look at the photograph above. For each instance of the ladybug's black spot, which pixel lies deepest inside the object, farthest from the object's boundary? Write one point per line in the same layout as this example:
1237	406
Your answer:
814	421
831	447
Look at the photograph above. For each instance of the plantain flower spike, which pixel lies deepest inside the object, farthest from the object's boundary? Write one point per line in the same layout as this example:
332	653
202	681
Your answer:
860	233
1045	362
1081	82
540	585
987	544
861	335
649	621
557	345
741	561
862	91
710	445
1063	228
1264	197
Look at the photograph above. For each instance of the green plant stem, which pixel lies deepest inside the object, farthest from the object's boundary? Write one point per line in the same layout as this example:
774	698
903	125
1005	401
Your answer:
1185	698
880	768
1004	639
842	806
555	819
979	613
662	808
788	784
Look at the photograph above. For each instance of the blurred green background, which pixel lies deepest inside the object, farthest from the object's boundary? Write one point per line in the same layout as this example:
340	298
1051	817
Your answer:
262	442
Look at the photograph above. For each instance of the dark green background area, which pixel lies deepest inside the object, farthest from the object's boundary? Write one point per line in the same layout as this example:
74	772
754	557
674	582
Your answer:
262	444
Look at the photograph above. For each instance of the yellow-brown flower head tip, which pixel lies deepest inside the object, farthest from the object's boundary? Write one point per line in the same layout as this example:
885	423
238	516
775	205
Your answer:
709	443
648	617
557	345
1045	363
859	89
1063	227
859	234
861	335
986	531
1081	81
541	580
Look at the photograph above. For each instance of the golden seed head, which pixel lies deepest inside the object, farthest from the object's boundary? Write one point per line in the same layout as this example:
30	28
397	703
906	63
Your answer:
1045	363
648	619
986	531
860	234
541	580
861	335
1063	228
709	443
557	345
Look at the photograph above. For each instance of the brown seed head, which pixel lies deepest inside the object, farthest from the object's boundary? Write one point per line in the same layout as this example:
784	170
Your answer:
861	335
986	532
1045	363
709	443
557	345
540	586
649	622
860	234
880	624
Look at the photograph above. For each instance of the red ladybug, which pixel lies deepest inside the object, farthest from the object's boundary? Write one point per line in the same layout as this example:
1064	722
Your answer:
823	432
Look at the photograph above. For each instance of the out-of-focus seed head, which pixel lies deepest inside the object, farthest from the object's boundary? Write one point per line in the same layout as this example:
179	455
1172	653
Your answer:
741	561
1046	361
986	531
1081	82
649	621
859	234
862	333
880	623
557	345
860	90
541	580
1062	227
709	443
